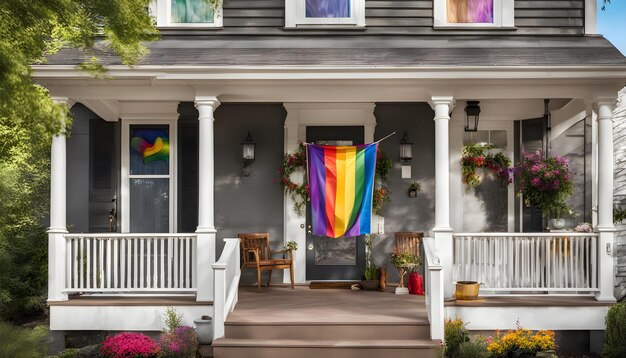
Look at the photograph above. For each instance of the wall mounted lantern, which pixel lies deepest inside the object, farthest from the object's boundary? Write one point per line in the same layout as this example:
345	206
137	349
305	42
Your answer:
472	115
406	148
248	148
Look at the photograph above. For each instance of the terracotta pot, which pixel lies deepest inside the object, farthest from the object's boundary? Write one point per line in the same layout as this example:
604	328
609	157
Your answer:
467	290
369	284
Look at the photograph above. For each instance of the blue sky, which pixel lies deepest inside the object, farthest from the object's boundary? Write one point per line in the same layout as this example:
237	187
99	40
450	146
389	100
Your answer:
612	23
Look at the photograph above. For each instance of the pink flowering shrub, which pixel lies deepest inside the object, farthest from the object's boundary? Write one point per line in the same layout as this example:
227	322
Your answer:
545	182
129	345
181	342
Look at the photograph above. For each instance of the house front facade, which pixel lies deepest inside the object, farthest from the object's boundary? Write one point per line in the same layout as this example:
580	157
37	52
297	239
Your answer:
152	179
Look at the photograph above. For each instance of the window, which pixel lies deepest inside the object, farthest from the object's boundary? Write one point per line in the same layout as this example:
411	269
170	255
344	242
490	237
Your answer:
185	13
474	13
307	13
147	177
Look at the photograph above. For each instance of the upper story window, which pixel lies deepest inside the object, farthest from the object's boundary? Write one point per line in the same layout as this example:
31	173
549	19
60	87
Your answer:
307	13
474	13
185	13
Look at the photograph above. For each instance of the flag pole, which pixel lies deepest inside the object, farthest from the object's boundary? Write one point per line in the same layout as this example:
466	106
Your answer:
385	137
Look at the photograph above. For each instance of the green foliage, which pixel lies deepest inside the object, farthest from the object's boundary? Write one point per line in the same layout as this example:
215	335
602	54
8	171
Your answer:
619	214
16	342
404	259
85	352
383	166
371	271
615	334
455	333
172	319
291	245
415	186
476	347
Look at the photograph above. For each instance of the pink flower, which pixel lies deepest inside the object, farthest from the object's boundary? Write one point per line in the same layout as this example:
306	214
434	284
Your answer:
535	182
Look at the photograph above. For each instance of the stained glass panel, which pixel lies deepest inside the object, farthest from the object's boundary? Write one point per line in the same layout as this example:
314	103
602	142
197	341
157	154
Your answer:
149	150
327	8
191	12
470	11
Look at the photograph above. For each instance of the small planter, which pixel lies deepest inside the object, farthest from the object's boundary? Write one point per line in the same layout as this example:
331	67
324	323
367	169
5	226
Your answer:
467	290
204	329
557	224
412	193
369	284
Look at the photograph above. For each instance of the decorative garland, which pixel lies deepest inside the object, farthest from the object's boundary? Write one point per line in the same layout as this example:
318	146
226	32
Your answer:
476	156
300	193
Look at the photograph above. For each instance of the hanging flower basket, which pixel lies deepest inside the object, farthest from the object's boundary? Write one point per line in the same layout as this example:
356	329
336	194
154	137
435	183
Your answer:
477	156
545	183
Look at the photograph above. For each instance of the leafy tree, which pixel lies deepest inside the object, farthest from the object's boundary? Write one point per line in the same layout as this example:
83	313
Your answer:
29	31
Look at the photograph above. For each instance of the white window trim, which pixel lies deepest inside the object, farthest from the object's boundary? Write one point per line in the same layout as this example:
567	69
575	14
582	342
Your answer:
295	16
162	11
503	16
125	170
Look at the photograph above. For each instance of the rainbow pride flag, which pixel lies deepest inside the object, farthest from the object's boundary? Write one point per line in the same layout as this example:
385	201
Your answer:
341	181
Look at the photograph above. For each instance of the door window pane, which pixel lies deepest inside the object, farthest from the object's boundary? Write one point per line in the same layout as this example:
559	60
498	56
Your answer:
149	150
327	8
329	251
470	11
149	205
191	12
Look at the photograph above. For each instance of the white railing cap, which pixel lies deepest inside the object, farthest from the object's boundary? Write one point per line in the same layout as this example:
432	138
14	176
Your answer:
432	257
525	234
130	235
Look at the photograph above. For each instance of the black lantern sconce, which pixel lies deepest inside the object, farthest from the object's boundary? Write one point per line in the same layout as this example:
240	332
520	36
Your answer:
406	148
472	115
248	148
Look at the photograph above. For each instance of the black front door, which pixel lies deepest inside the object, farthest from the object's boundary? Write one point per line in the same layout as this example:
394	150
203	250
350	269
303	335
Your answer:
331	259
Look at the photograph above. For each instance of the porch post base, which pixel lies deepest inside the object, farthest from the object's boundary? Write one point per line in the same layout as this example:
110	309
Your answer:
56	265
443	241
606	264
205	257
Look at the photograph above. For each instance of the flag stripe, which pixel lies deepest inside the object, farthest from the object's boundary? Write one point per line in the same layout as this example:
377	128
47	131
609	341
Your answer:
331	189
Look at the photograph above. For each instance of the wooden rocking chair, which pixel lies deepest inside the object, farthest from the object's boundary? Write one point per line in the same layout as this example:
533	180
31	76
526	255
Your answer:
255	251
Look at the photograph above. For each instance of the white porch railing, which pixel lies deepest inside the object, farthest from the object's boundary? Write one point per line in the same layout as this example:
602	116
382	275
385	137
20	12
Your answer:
528	262
226	271
132	263
433	272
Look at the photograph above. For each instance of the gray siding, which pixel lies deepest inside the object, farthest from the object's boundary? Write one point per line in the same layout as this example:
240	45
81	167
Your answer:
399	17
404	213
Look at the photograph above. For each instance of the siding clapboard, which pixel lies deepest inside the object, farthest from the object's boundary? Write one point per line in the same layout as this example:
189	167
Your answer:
397	17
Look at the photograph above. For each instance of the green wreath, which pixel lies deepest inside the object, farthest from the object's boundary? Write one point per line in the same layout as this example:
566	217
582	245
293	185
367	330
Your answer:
300	193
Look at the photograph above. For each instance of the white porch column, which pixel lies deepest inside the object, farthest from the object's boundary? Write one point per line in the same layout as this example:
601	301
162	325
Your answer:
58	214
605	228
205	252
442	230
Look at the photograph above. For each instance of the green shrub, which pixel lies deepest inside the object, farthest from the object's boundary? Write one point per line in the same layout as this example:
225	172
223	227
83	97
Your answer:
474	348
615	335
92	351
455	333
16	342
172	319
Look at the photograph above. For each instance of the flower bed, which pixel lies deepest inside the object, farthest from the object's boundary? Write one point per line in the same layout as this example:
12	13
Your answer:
131	345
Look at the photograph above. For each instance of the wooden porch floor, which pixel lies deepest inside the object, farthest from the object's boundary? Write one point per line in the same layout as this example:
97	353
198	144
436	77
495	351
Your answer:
304	305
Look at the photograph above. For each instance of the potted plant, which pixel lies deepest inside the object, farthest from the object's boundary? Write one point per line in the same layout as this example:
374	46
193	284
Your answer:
404	261
545	183
204	329
414	188
371	271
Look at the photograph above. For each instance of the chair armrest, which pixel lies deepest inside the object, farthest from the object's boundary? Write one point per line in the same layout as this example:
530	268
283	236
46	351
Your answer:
284	251
255	251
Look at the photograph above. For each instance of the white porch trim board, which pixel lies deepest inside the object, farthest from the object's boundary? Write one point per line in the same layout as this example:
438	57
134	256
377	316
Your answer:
206	106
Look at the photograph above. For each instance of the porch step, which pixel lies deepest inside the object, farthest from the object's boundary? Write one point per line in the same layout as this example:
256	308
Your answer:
305	348
328	331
